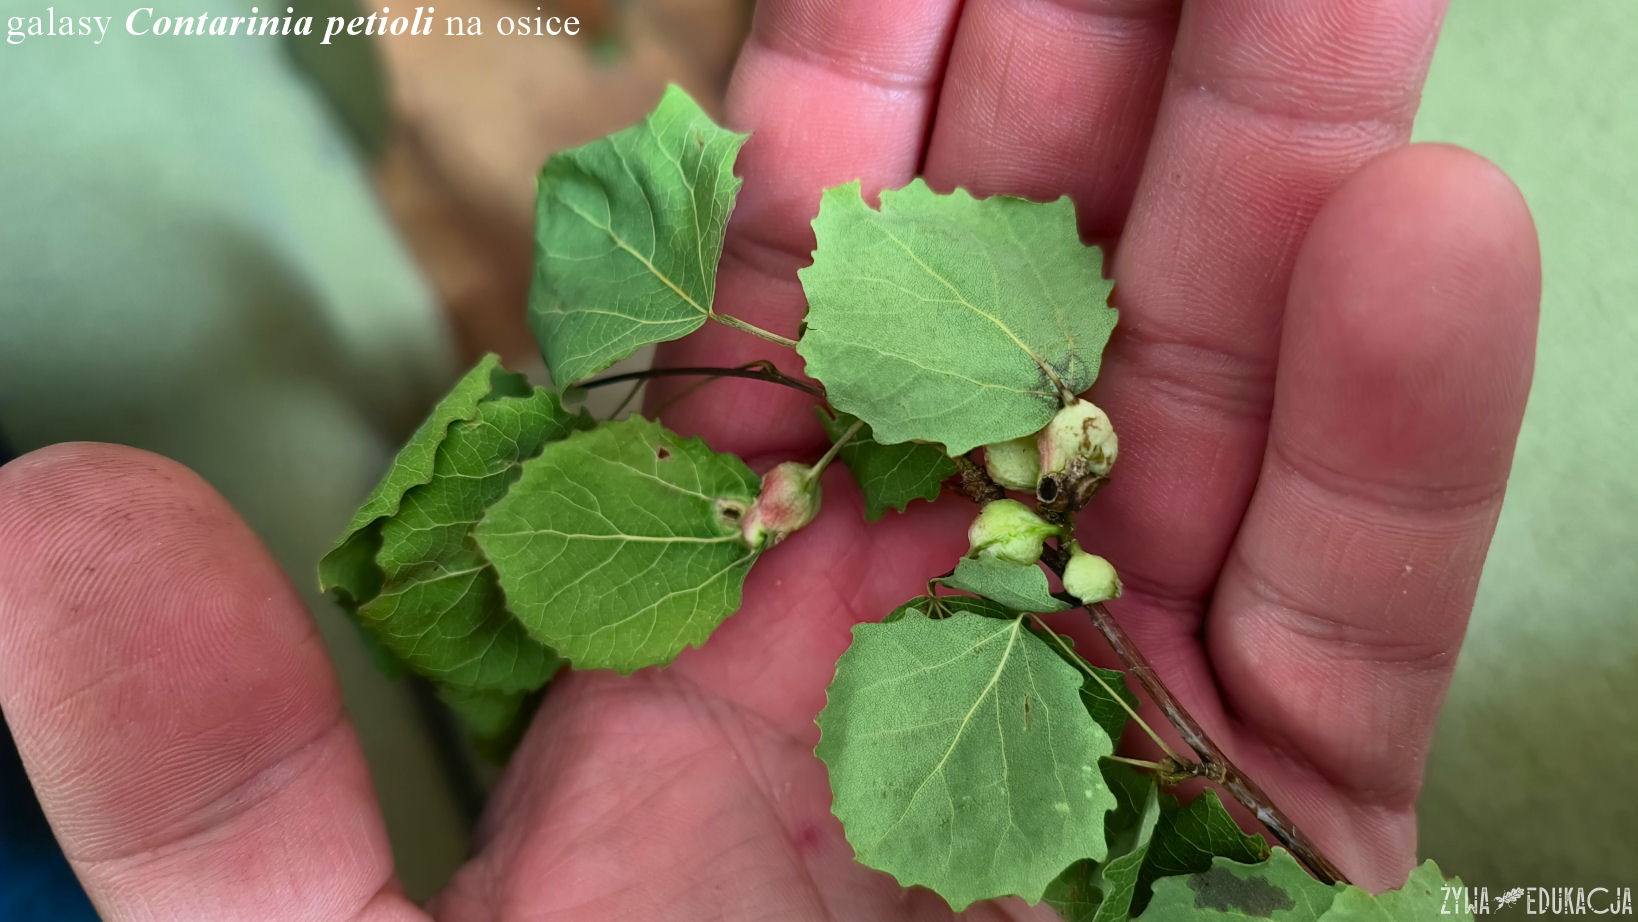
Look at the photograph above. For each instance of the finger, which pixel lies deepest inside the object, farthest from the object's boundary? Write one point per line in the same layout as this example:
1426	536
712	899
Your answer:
1403	373
1044	98
1269	106
831	91
172	703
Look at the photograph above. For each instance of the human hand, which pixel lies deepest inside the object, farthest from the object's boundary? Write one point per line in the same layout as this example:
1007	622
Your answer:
1321	365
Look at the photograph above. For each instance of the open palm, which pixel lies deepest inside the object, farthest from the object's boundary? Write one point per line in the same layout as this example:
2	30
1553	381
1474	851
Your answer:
1322	361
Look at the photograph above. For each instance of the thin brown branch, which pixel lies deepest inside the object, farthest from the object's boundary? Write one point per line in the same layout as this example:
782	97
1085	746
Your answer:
756	371
1215	765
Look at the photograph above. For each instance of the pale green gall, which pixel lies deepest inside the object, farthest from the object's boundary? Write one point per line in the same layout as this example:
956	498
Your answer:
1090	578
1009	530
1080	435
1014	464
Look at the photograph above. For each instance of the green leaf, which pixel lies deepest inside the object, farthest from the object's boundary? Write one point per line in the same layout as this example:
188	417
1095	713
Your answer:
409	571
949	319
944	606
440	610
1422	897
1278	889
628	232
1104	707
494	721
1089	891
889	476
621	546
961	757
349	568
1020	587
1190	836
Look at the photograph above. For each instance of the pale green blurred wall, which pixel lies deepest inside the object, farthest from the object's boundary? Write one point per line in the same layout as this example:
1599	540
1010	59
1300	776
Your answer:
193	261
1533	771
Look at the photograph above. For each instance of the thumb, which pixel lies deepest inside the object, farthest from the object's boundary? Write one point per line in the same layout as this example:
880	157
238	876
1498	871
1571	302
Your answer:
172	703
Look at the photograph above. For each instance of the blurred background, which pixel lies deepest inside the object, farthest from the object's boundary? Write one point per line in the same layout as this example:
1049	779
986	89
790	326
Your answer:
266	258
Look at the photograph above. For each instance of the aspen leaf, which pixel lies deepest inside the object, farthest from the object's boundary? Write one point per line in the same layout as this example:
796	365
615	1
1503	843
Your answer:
950	319
621	546
628	232
889	476
961	757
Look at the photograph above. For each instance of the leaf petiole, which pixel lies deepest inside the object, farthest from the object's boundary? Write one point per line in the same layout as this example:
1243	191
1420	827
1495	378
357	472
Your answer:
753	329
636	386
1081	664
1148	766
836	446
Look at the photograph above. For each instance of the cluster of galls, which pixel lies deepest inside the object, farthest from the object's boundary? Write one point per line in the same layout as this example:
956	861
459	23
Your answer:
1063	465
